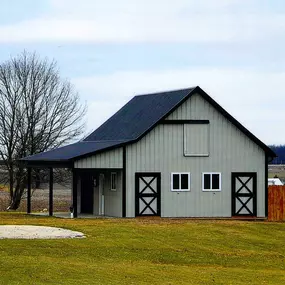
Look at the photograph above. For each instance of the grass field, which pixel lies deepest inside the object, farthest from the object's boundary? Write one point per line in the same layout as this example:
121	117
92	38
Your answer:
146	251
276	170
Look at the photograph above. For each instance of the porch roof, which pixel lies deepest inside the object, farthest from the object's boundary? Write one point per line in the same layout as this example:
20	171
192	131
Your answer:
64	156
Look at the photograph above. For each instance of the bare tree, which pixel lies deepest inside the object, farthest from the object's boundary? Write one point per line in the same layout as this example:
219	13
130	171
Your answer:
38	111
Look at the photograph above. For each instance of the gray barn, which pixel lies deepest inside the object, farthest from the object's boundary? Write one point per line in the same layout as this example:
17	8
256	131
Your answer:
170	154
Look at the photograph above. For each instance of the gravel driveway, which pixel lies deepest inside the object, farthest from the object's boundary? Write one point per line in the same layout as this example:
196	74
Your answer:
36	232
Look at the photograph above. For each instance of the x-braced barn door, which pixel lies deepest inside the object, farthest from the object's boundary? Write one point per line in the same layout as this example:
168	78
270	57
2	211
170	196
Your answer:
244	194
147	194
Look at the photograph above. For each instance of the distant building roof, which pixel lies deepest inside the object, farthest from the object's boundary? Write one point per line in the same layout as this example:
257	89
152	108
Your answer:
274	181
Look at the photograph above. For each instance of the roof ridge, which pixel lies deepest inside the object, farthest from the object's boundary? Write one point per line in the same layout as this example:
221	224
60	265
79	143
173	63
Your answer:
189	92
168	91
98	141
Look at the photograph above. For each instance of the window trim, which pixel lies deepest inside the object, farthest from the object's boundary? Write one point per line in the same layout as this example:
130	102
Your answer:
220	182
180	190
111	186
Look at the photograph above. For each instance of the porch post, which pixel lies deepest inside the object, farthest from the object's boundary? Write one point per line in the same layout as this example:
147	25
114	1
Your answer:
50	191
74	192
29	190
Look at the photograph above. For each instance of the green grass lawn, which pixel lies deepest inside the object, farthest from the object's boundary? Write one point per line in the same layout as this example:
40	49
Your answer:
146	251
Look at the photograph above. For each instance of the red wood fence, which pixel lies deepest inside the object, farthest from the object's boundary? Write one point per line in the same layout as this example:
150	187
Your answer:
276	203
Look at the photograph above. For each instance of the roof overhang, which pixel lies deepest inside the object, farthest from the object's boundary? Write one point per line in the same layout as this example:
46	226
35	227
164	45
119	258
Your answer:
46	163
65	156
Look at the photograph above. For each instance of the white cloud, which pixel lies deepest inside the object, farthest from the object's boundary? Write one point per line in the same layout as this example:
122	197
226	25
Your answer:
146	21
254	98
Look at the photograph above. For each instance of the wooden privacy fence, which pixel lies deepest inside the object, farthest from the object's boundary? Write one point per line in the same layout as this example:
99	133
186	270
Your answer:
276	203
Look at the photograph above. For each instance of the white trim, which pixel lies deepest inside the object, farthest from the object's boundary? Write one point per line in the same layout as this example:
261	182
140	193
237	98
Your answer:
111	188
180	190
212	190
193	155
101	199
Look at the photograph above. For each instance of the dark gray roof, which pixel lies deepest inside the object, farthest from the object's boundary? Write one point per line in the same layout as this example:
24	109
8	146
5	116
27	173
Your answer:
140	115
132	121
73	151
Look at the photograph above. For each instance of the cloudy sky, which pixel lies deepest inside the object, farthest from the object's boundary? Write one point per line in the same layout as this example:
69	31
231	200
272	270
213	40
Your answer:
111	50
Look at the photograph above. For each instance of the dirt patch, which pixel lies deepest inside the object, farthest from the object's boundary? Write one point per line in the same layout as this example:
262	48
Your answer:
36	232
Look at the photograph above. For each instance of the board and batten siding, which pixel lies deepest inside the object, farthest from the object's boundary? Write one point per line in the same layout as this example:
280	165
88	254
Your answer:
162	150
109	159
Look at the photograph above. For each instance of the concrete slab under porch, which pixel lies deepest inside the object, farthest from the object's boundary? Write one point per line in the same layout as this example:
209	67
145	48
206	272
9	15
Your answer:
67	215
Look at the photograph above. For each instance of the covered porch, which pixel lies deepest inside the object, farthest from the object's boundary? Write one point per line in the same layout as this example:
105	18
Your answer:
94	193
98	178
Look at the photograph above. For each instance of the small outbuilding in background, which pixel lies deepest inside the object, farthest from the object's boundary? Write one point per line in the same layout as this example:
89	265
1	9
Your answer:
274	181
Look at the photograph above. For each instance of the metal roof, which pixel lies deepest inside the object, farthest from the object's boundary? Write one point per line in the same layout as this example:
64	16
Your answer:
72	151
139	116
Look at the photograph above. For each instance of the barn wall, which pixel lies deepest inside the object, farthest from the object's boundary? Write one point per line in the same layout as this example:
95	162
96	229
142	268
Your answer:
108	159
161	150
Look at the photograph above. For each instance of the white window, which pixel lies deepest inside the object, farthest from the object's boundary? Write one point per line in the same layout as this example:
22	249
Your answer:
196	139
180	181
113	181
211	181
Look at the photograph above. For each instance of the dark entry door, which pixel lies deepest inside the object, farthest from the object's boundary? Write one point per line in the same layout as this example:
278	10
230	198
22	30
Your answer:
87	183
244	194
147	194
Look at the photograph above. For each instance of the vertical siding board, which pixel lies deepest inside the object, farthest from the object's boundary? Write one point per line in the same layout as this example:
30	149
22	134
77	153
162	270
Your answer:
117	157
151	152
108	159
92	161
159	153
